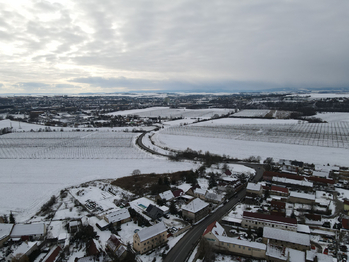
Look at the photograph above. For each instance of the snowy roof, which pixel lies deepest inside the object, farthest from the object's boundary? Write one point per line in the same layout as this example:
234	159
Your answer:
118	215
168	195
195	205
24	248
311	254
245	243
5	230
292	181
254	187
302	195
296	255
215	228
303	229
200	191
232	219
152	231
184	187
286	236
28	230
278	252
214	196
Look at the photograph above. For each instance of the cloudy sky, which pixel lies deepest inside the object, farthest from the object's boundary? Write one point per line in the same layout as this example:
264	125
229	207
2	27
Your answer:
79	46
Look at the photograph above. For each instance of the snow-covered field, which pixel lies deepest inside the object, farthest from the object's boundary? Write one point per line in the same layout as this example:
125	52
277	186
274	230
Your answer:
26	184
174	112
252	113
70	145
333	117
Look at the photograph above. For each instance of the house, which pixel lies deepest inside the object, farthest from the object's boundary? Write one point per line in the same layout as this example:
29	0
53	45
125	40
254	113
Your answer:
23	250
301	198
258	220
115	246
293	183
200	193
167	195
286	238
93	248
313	256
120	216
216	236
149	238
195	210
254	189
177	193
154	212
5	232
214	198
29	231
74	226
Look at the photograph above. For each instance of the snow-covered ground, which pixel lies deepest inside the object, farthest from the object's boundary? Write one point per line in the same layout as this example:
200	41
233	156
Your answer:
333	116
26	184
174	112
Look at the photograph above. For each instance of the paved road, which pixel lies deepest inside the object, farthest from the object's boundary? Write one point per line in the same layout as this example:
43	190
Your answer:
181	250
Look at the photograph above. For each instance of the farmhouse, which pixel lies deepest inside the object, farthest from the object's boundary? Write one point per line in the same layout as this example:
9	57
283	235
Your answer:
150	238
214	198
114	245
257	220
5	232
216	236
279	191
286	238
195	210
167	195
154	212
293	184
200	193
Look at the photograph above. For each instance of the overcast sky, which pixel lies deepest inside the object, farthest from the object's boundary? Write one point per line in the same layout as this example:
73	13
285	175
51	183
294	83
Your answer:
76	46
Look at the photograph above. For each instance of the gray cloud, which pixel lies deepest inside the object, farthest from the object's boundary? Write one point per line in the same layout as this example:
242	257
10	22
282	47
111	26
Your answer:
191	43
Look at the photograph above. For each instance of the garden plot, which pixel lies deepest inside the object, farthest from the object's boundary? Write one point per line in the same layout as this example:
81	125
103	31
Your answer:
70	145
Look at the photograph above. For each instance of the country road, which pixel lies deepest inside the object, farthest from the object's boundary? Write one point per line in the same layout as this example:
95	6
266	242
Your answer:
183	248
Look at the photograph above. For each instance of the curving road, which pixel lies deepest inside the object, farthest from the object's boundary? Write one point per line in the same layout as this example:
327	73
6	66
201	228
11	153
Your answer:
184	246
187	243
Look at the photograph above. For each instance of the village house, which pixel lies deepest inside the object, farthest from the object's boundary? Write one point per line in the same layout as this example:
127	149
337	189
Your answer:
217	237
286	238
283	254
195	210
74	226
120	216
214	198
22	251
293	183
278	208
5	232
154	212
114	245
200	193
313	256
254	189
257	220
29	231
149	238
167	196
346	205
52	254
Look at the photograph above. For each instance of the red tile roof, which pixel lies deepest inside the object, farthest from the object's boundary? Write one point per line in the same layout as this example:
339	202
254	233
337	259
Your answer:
210	227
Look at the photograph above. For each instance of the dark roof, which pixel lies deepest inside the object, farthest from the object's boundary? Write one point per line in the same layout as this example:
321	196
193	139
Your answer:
279	189
51	257
346	201
345	223
321	180
178	192
260	216
278	204
154	212
297	163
